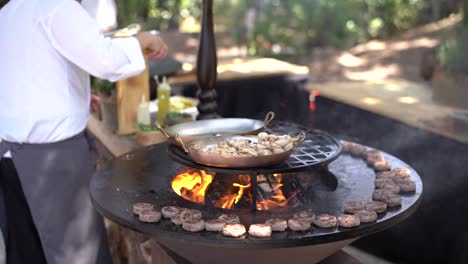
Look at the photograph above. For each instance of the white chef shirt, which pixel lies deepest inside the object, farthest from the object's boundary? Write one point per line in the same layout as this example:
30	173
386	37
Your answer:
103	11
47	49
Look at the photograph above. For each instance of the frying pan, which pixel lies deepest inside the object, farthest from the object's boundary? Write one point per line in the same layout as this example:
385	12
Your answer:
217	160
189	131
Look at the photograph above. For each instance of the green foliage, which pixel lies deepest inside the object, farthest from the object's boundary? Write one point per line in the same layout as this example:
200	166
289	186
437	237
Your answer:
174	116
448	56
156	14
3	2
146	128
292	25
302	24
452	54
102	86
295	24
396	15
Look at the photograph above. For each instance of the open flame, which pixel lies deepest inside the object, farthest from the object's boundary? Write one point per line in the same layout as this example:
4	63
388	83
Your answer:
227	201
193	184
277	198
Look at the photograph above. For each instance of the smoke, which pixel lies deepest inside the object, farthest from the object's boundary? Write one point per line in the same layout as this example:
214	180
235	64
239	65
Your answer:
441	164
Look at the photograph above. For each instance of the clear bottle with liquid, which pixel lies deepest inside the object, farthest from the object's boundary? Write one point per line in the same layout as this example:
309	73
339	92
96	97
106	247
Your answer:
143	113
164	96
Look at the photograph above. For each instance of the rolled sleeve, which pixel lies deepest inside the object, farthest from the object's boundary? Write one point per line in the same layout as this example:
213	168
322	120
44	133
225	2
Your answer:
76	36
132	50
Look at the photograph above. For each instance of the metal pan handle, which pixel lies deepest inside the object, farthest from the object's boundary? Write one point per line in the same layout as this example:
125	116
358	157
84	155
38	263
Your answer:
164	132
179	140
268	118
299	139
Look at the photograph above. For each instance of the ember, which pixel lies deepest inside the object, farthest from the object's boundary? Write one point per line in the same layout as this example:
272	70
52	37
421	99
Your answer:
274	192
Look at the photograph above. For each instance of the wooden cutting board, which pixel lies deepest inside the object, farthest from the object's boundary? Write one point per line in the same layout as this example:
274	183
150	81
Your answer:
129	94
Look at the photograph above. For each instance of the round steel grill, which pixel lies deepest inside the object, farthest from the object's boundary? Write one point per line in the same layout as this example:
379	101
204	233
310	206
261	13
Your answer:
319	148
145	175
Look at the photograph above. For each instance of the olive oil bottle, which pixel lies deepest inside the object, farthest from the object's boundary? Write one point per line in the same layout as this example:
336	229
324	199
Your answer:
164	96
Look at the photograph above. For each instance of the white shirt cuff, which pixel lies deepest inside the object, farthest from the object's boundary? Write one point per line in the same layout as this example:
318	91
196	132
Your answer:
132	50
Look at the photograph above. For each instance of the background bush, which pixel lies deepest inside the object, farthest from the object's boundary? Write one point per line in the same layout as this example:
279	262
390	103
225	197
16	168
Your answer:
290	26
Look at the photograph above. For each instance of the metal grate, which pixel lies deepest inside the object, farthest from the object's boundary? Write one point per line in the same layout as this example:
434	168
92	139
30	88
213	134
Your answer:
319	148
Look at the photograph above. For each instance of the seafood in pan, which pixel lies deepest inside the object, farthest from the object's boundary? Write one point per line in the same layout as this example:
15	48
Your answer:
267	144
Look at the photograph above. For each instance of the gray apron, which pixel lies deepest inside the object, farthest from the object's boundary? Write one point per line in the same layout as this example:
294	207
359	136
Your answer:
55	179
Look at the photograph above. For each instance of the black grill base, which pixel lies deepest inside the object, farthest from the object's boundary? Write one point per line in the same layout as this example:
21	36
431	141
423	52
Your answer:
146	174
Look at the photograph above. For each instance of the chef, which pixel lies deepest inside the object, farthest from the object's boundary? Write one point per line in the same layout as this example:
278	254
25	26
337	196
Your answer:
48	49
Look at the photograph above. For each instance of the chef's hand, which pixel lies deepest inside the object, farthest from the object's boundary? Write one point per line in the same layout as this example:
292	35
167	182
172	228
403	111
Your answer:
153	45
95	102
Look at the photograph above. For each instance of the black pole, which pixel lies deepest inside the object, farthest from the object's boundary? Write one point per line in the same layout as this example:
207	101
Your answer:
206	65
254	191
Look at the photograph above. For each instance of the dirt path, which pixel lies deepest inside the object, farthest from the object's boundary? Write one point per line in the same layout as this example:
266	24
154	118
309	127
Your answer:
400	57
377	59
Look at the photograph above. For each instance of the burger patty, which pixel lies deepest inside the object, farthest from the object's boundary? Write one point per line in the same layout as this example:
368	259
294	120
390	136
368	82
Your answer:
277	224
260	230
366	216
229	218
233	230
214	225
382	165
298	224
305	215
139	207
347	220
183	215
351	207
376	206
194	225
406	185
325	221
150	216
170	211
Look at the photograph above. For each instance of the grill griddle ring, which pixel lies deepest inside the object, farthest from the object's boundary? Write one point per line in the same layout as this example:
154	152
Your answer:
145	176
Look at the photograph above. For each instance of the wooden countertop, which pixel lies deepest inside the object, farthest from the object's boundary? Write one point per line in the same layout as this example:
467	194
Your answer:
115	144
405	101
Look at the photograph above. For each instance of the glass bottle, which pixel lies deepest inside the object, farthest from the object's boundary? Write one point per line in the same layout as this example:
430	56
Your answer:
164	96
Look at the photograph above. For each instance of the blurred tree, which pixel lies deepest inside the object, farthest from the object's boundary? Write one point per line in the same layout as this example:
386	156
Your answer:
298	25
452	54
268	27
231	15
156	14
302	24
